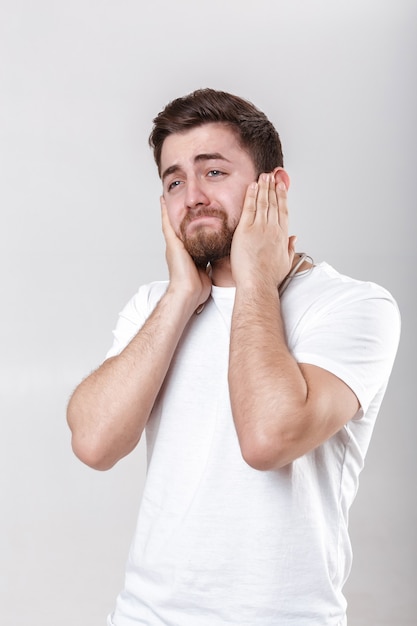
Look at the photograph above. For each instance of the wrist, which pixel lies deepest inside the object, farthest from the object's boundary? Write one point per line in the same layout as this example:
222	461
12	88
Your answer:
256	284
182	299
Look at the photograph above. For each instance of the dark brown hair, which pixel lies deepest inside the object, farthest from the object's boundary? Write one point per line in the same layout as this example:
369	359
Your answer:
254	131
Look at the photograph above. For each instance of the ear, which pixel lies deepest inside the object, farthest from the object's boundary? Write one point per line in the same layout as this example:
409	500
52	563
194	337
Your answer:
281	175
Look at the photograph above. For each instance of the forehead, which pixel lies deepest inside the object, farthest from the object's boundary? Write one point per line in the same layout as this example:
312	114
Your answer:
182	148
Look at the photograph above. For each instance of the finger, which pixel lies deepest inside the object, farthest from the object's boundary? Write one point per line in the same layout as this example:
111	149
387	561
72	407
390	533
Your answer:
291	247
281	192
249	205
273	212
262	201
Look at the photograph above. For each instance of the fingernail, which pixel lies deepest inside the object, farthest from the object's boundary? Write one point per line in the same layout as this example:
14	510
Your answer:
281	186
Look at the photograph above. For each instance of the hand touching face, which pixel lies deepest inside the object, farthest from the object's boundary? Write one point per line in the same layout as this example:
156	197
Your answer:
262	253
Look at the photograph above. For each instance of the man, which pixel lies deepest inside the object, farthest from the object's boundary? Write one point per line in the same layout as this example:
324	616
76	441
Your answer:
258	403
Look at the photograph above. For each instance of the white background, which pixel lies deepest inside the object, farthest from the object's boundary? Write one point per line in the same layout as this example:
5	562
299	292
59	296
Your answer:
80	82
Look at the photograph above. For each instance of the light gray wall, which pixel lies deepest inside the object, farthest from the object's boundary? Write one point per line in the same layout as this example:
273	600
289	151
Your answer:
80	82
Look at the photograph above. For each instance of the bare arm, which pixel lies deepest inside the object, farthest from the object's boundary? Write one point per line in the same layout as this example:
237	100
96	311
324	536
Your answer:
281	409
109	410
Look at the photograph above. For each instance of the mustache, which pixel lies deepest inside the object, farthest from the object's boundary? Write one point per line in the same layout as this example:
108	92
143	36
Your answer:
202	212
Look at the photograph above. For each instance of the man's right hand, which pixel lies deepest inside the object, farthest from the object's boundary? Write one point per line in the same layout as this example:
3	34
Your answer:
184	276
109	409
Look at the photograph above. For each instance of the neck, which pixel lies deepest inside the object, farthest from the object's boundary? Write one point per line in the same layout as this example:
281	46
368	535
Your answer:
221	273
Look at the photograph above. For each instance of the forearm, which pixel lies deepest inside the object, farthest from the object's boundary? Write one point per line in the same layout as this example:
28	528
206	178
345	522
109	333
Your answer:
282	409
109	410
267	389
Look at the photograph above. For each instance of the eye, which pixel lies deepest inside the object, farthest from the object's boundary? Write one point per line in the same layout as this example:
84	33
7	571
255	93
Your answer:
215	173
174	184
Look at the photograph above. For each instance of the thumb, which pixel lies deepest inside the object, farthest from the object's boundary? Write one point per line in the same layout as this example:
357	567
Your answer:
291	245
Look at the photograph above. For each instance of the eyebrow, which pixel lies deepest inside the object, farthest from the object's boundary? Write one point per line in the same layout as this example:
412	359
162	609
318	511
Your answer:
206	156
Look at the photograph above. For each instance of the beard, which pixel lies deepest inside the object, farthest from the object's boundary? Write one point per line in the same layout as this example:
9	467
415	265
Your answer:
205	245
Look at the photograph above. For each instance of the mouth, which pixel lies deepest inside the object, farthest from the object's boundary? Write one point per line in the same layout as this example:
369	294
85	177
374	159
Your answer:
202	218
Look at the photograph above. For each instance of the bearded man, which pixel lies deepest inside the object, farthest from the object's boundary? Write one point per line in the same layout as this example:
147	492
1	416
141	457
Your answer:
257	375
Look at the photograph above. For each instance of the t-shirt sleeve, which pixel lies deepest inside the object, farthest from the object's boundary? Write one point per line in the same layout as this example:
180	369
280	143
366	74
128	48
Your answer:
129	322
356	339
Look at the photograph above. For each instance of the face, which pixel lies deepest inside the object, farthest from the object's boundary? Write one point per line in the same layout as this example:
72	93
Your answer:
205	175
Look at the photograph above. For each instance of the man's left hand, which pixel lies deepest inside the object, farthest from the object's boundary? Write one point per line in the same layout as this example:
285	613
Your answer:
262	253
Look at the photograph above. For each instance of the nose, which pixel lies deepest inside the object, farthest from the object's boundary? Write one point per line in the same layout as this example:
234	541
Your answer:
195	194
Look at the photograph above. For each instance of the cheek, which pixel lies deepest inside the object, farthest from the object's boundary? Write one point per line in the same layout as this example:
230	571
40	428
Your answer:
238	206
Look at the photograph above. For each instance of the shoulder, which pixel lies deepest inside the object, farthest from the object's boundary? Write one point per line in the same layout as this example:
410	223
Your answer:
331	309
344	325
143	302
134	314
323	291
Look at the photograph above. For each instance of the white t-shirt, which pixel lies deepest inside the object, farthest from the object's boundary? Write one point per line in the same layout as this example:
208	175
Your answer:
218	542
